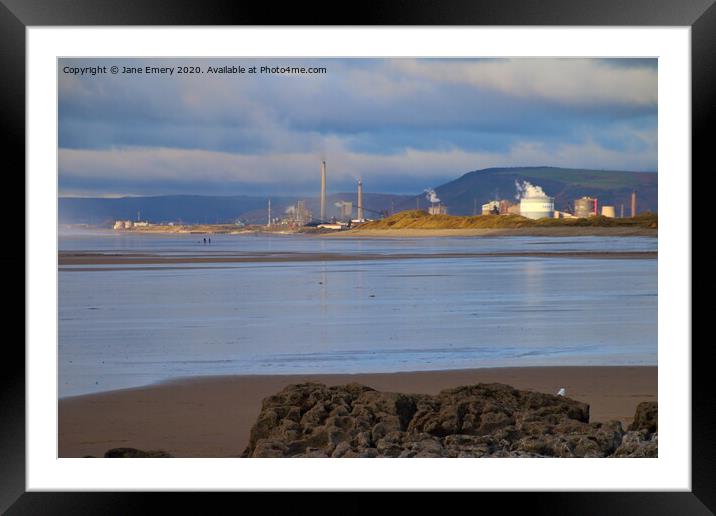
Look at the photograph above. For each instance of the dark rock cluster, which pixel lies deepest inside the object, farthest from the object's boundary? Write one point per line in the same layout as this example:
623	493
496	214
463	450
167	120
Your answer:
134	453
483	420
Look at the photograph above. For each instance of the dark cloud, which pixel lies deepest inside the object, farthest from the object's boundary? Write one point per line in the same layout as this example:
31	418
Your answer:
405	122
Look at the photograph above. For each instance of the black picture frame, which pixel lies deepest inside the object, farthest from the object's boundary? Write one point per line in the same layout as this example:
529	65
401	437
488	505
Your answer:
17	15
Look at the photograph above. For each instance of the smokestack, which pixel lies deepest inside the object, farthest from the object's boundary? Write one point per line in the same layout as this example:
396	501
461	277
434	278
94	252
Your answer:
360	200
595	207
323	191
269	213
633	204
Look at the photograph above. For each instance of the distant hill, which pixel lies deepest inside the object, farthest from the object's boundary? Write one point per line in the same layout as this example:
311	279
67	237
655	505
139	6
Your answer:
190	209
564	184
200	209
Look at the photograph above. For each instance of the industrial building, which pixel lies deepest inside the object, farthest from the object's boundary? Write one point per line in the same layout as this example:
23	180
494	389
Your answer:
302	214
297	215
499	207
537	206
563	215
333	225
123	224
323	190
360	201
585	207
589	207
491	208
534	203
608	211
437	209
345	210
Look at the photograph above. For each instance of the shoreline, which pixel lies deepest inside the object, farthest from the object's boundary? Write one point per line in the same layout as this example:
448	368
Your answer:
563	231
211	416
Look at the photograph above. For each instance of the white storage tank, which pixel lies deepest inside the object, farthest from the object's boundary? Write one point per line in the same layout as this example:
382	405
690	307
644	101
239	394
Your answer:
608	211
537	207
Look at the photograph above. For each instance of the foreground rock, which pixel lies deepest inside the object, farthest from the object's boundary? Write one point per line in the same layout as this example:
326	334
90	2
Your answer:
132	453
483	420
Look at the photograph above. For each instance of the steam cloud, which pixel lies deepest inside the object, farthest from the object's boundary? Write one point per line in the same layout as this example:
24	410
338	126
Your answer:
431	196
525	189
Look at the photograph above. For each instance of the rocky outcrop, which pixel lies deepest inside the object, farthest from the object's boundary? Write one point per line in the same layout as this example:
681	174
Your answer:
483	420
646	417
642	438
132	453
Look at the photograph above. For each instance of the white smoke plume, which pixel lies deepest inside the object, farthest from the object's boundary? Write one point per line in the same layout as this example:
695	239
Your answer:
291	210
431	196
338	204
525	189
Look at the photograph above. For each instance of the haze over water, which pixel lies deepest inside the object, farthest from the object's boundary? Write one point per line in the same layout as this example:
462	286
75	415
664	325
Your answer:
143	324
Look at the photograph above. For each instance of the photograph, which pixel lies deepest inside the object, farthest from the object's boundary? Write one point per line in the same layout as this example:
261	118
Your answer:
358	257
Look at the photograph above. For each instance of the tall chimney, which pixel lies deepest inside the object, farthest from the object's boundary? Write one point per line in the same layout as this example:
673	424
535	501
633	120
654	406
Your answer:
596	212
323	191
269	213
633	204
360	200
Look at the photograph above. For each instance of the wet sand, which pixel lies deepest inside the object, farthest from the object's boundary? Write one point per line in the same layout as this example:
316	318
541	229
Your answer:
212	416
95	258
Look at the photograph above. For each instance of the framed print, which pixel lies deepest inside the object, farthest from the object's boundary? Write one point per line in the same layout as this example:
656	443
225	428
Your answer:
417	250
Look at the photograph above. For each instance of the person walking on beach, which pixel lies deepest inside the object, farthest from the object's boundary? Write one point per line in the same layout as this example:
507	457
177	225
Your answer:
209	240
204	240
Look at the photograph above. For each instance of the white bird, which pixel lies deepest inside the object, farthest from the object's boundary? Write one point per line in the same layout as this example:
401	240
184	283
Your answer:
562	392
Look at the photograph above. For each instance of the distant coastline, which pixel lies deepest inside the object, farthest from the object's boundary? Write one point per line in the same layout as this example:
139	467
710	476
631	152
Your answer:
553	231
415	223
565	231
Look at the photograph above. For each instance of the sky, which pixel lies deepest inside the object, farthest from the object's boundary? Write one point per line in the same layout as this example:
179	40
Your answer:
401	125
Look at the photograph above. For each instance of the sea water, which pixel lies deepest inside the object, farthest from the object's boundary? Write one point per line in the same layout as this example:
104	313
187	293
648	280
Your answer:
126	326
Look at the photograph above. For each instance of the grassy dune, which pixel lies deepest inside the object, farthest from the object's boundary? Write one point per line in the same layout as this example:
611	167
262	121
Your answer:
416	219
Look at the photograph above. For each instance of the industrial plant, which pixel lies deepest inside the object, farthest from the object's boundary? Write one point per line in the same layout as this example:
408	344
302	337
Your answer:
530	201
436	206
297	215
534	203
342	214
344	217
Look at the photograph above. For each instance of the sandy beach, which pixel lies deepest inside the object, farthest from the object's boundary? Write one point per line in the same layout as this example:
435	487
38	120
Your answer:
212	416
